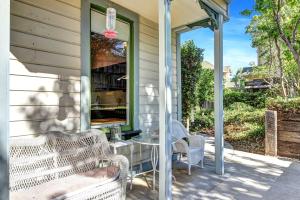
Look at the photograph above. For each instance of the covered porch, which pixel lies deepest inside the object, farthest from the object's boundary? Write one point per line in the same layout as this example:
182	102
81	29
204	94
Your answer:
247	176
64	53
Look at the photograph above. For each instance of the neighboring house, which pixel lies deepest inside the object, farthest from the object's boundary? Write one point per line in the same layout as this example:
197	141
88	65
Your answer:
251	82
227	73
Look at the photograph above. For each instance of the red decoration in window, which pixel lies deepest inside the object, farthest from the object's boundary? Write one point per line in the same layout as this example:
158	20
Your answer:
111	17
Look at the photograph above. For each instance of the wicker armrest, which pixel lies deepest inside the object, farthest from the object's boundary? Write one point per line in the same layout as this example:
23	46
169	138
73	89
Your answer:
122	162
196	141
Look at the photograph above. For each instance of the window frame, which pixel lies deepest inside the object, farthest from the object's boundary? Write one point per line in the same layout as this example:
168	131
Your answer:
133	20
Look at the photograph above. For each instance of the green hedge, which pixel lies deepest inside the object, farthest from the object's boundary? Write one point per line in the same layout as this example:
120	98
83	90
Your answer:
240	113
280	103
255	99
204	118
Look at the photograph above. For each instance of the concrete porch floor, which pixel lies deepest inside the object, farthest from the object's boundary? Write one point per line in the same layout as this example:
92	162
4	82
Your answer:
247	176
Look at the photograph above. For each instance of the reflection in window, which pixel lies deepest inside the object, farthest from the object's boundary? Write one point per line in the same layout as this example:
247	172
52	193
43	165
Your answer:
108	80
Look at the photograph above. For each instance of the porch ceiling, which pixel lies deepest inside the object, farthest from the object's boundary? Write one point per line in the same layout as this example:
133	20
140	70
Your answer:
183	12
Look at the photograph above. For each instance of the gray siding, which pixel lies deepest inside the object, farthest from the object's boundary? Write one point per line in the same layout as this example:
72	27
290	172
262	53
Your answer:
44	66
148	70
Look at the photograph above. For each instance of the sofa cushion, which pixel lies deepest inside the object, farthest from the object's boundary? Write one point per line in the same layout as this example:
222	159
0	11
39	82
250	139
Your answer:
68	186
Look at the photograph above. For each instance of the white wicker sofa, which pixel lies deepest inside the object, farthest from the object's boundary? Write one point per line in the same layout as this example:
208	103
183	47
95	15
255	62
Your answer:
66	166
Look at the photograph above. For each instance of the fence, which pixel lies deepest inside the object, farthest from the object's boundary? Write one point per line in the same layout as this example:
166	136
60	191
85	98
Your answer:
283	134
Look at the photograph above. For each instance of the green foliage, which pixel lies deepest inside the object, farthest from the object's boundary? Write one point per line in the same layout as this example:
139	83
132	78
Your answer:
204	118
191	59
246	12
243	115
255	99
283	104
275	31
245	131
243	121
205	86
238	113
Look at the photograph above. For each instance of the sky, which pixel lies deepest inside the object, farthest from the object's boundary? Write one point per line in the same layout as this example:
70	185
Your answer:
237	45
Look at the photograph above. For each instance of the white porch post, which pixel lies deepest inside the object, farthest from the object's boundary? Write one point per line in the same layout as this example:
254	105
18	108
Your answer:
218	90
165	100
4	96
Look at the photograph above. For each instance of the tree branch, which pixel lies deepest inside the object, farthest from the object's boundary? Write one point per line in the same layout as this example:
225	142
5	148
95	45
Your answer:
295	31
276	16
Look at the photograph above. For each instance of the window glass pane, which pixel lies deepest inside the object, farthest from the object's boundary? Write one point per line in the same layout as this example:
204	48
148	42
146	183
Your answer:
98	21
109	74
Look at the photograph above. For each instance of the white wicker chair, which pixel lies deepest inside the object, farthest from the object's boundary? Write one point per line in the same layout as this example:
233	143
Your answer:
66	166
190	145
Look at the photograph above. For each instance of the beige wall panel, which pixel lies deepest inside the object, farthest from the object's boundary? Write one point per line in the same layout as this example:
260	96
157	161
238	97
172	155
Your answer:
36	128
148	56
18	68
45	58
148	83
150	100
148	48
44	66
150	117
148	31
42	113
40	29
56	7
153	82
144	108
148	91
149	74
28	98
149	23
148	66
39	43
75	3
28	83
149	126
148	39
40	15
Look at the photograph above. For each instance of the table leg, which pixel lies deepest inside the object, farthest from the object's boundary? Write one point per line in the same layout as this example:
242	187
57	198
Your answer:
154	161
131	155
141	162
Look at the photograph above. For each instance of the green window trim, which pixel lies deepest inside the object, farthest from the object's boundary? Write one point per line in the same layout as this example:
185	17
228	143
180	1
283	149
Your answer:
130	125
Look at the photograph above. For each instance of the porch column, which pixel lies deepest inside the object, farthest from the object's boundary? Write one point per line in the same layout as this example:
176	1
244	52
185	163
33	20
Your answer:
165	100
4	96
218	96
85	94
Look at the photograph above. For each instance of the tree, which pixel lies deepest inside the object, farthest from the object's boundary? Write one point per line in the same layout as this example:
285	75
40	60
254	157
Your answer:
238	79
275	32
191	59
205	86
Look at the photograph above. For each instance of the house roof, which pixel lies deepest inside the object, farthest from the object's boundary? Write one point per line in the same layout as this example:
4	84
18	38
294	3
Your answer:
183	12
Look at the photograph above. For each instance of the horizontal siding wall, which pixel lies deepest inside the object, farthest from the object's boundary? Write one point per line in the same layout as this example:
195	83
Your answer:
149	75
44	66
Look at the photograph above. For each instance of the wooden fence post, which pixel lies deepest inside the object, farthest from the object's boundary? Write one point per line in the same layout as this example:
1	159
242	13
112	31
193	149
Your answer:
271	133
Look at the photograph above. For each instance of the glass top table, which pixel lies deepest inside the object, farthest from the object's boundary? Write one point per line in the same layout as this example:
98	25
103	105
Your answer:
151	140
148	139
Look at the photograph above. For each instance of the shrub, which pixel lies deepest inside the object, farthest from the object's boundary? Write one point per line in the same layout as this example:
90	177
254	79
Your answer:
244	131
238	113
255	99
280	103
204	118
